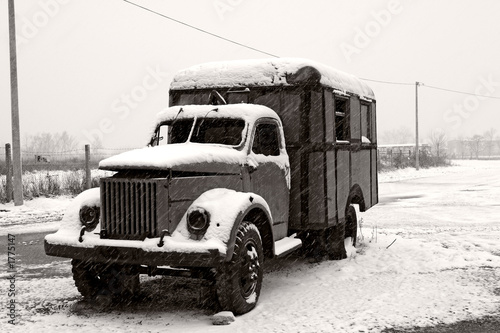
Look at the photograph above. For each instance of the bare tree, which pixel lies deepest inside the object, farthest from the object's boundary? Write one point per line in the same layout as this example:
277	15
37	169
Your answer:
68	142
400	135
462	145
49	143
437	139
489	138
96	145
476	144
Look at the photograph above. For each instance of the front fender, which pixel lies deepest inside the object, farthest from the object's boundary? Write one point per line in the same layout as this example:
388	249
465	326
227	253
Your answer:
227	209
259	215
71	219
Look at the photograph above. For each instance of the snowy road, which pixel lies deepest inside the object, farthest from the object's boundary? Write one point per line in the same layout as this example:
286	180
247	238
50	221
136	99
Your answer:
443	266
31	259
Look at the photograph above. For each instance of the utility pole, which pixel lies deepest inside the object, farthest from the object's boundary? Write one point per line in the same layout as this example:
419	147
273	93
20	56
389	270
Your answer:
417	164
14	102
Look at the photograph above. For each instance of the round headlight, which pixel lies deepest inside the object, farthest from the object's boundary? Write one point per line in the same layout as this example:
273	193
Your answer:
198	221
89	216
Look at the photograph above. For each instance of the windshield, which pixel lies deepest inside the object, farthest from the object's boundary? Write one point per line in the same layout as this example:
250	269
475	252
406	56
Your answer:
217	130
206	130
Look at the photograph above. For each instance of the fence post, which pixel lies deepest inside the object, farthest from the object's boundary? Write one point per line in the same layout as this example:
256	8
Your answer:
8	173
88	176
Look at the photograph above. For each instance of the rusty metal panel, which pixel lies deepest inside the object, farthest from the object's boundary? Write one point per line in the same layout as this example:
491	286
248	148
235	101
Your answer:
294	215
316	115
316	190
373	123
331	185
291	108
355	119
374	180
269	181
190	188
343	182
184	190
360	172
329	116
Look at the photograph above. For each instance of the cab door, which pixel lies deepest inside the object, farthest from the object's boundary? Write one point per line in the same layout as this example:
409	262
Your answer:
270	172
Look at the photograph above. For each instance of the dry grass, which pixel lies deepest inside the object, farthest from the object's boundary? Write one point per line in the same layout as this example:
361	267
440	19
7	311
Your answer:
52	183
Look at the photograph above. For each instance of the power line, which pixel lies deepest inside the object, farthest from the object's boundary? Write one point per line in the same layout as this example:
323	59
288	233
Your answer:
461	92
201	30
432	87
390	82
275	56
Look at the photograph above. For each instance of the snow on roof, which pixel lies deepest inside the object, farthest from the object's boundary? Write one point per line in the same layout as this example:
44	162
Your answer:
268	72
247	112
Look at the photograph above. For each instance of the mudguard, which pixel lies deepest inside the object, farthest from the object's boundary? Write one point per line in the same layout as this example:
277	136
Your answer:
71	219
227	210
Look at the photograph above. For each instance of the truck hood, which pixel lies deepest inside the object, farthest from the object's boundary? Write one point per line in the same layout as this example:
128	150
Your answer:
185	157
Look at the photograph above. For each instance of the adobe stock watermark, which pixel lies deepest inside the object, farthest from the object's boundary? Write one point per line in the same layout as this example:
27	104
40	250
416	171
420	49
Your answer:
29	28
372	29
224	6
122	106
471	103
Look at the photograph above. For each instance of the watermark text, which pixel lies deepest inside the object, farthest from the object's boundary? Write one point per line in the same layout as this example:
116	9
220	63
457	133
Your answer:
11	280
364	36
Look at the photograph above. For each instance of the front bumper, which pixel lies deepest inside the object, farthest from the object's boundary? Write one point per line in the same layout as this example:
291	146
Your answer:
181	254
133	256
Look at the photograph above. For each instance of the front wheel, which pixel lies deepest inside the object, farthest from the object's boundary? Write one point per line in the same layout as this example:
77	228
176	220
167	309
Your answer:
240	280
94	279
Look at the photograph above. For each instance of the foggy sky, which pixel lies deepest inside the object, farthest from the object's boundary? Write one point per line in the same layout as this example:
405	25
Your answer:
103	68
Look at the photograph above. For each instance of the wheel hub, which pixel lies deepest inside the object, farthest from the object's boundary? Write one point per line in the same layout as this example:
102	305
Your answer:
249	270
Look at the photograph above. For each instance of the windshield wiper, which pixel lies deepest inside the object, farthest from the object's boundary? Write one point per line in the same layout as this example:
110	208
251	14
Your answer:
205	117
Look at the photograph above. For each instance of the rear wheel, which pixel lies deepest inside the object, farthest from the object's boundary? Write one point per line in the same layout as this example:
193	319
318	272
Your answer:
94	279
240	280
341	239
351	226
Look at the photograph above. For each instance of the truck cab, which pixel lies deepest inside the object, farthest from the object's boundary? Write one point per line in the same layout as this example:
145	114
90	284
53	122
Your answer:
252	160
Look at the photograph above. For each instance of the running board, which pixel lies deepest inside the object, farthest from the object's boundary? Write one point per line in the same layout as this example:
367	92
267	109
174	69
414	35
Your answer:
286	245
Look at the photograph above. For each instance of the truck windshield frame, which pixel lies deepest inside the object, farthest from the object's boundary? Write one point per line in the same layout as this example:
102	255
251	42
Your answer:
223	131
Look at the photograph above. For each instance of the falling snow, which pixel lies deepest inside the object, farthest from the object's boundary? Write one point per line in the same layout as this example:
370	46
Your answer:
428	253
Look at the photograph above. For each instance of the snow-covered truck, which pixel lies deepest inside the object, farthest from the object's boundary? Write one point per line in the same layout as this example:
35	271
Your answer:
252	160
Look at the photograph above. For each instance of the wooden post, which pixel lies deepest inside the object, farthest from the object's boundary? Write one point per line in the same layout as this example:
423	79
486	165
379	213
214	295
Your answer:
14	102
8	165
88	176
417	161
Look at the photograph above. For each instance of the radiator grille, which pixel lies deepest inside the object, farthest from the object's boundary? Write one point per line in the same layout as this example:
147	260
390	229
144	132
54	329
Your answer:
129	208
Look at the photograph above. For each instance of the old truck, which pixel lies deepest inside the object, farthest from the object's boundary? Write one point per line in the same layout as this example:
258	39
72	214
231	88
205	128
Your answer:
252	160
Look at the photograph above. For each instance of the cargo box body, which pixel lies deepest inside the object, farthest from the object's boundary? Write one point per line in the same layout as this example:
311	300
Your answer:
329	122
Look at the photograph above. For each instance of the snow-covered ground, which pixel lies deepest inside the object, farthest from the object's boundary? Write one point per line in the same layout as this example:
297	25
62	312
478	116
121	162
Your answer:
37	215
429	253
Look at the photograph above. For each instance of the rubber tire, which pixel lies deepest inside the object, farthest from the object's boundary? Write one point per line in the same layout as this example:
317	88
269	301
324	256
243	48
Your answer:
336	236
86	277
351	225
93	279
230	281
